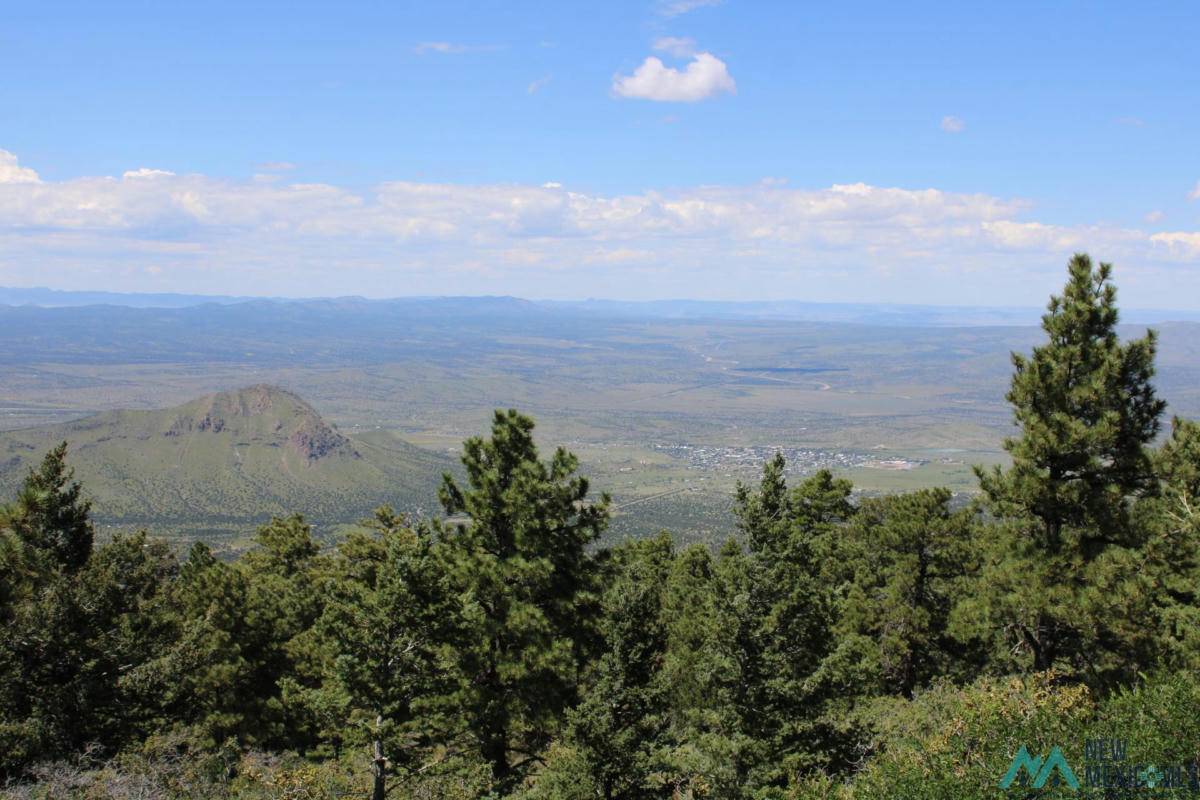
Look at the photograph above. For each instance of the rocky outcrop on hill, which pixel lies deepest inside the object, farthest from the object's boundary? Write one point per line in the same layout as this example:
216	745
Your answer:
262	414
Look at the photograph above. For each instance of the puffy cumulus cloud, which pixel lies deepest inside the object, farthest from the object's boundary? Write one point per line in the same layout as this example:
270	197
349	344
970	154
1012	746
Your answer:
705	76
952	124
13	172
254	237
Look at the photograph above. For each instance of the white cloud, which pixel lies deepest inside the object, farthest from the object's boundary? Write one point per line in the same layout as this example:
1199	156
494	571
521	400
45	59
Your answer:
12	172
252	237
275	166
678	47
673	8
705	77
952	124
145	172
538	84
438	47
1154	216
1181	246
1194	194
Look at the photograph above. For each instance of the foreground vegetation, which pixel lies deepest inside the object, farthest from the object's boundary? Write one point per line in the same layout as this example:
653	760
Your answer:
894	648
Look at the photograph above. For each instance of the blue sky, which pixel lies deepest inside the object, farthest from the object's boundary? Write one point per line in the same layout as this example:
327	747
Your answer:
936	152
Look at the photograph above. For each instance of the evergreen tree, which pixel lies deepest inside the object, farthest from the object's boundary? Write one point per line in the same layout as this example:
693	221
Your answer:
72	655
747	632
522	561
900	567
702	737
1087	411
17	573
202	677
241	629
1168	571
618	729
781	608
1058	566
389	637
50	514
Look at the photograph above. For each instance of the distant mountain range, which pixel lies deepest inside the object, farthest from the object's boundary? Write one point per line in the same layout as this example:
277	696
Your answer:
795	310
221	464
55	298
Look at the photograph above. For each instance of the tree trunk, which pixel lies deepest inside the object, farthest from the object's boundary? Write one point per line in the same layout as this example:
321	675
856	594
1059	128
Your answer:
380	792
495	751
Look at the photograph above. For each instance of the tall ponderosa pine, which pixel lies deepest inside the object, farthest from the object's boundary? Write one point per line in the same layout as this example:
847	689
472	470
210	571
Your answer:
522	561
1087	410
1057	587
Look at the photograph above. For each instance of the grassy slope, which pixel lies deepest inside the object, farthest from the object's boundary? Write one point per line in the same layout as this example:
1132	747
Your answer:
221	464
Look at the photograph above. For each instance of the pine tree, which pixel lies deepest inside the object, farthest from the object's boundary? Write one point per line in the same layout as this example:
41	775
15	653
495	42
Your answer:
387	624
1060	563
900	564
240	629
618	728
1087	410
50	514
522	560
17	573
780	615
703	737
1168	568
72	655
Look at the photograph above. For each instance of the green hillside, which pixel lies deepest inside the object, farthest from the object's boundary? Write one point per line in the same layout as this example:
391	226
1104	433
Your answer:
221	464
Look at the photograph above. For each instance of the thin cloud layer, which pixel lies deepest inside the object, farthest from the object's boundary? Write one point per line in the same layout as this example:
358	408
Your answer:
449	48
254	237
673	8
704	78
952	124
676	46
